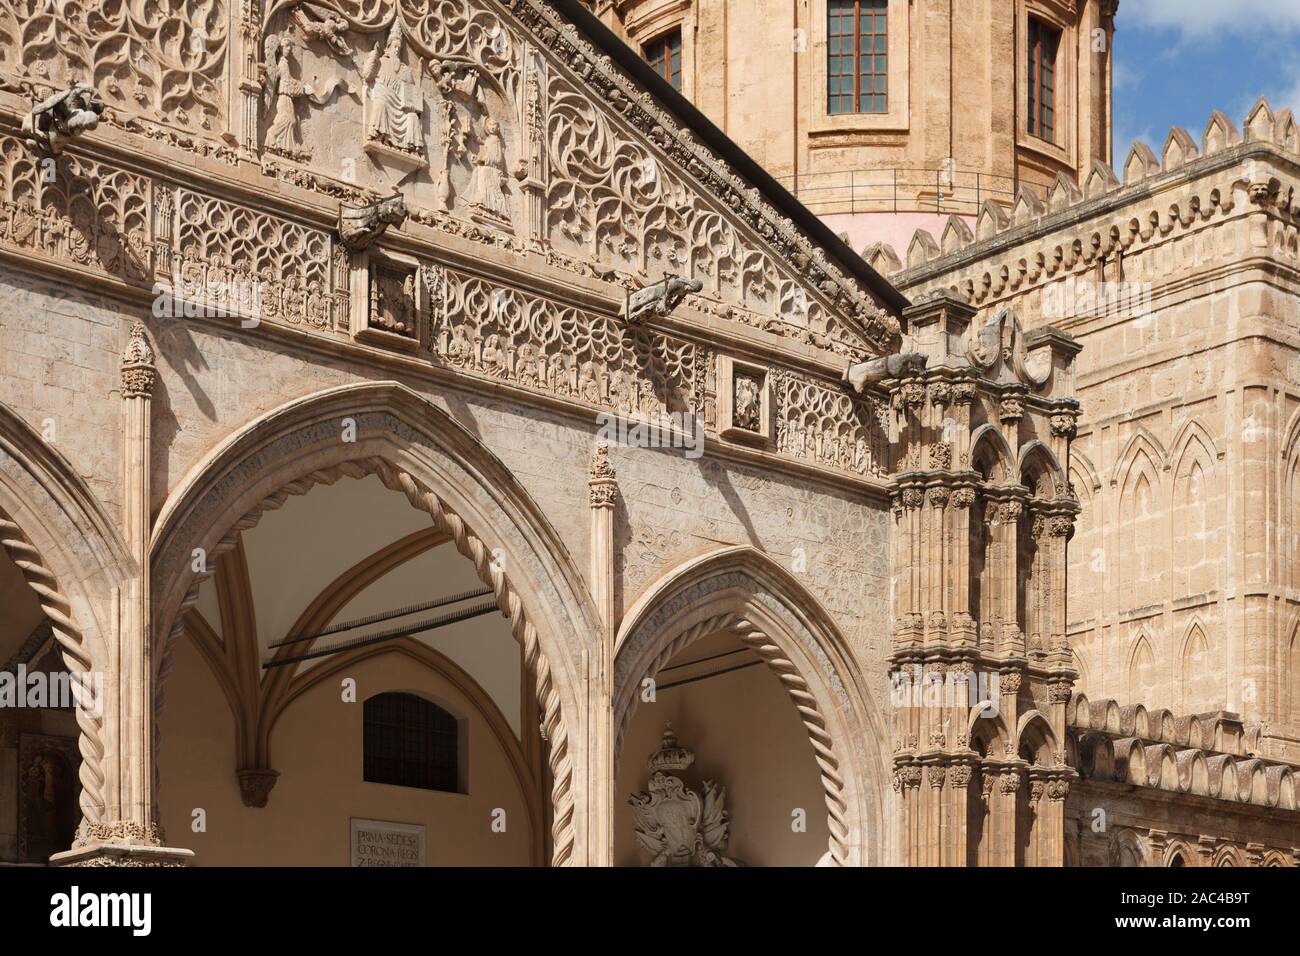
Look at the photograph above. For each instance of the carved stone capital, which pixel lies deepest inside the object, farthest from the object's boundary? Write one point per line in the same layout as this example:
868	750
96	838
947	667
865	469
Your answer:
1011	409
255	786
1064	426
909	777
1059	692
963	498
138	371
1058	790
603	480
913	394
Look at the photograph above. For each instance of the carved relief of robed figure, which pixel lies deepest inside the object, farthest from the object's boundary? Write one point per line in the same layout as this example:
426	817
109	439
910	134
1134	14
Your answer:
397	106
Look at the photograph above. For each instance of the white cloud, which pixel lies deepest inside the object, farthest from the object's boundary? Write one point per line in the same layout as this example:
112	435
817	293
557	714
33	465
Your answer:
1201	18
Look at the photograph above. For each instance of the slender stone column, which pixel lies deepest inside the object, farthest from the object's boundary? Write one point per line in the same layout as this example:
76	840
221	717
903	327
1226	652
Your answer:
933	838
129	833
604	496
957	815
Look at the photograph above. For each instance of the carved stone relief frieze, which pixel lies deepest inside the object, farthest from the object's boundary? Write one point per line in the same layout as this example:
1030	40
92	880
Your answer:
240	261
84	213
828	427
569	352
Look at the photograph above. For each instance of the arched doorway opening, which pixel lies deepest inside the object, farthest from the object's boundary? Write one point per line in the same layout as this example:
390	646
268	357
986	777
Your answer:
792	678
39	756
723	704
62	563
413	464
300	698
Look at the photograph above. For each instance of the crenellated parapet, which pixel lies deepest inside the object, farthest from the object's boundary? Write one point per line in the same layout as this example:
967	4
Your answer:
1111	214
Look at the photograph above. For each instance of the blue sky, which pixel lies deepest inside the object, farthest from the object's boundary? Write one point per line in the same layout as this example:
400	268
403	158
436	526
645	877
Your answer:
1176	60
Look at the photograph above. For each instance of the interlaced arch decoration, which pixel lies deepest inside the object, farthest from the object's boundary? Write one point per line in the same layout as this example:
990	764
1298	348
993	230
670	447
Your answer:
741	592
308	430
69	552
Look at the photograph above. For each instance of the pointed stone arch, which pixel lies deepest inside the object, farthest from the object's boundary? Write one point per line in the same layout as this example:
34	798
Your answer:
1142	448
1141	669
1293	671
1194	664
989	446
1036	456
1194	440
415	449
1083	472
741	590
70	553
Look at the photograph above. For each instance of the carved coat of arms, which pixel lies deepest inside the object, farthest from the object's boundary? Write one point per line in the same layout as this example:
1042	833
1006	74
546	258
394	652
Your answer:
676	825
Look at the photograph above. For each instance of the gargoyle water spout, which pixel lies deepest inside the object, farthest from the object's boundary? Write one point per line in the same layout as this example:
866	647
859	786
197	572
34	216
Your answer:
61	118
659	299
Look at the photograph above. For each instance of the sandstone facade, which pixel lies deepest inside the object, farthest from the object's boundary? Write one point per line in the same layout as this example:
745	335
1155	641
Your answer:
361	310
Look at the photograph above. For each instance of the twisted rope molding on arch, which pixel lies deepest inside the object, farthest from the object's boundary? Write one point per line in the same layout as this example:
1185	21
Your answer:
756	639
58	609
471	546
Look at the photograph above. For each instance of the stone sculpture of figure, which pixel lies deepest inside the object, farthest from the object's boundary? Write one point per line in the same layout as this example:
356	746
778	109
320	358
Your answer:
60	118
280	92
659	299
330	31
485	188
865	374
748	404
397	113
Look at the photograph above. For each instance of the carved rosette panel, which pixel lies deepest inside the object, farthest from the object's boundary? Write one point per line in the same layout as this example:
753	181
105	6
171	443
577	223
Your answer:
164	60
234	257
538	343
823	425
72	209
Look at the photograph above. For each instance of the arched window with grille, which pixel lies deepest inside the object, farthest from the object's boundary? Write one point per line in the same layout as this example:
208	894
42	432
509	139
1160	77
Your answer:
412	742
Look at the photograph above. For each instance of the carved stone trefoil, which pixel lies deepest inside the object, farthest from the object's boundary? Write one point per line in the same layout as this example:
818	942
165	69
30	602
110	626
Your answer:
676	825
61	118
